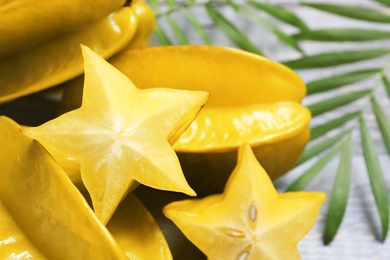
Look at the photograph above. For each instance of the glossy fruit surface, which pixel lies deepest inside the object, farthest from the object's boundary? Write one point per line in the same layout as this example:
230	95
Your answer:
54	61
146	23
114	134
252	100
42	214
232	77
25	23
136	232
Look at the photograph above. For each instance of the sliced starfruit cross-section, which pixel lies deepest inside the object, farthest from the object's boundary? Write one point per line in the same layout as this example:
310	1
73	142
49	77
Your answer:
122	135
252	100
249	220
42	214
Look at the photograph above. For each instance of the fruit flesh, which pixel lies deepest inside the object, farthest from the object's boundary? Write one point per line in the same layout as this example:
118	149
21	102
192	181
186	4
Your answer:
248	104
113	135
249	220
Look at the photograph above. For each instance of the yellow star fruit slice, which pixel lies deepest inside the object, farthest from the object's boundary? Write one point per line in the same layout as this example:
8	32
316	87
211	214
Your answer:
42	214
252	100
249	220
59	59
136	232
122	135
73	89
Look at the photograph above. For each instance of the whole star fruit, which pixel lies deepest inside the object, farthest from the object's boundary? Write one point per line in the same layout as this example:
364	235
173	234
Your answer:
57	60
249	220
42	214
24	23
122	135
252	100
136	231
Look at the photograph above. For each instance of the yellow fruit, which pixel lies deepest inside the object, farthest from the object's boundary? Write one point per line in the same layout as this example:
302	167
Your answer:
136	232
25	23
122	135
252	100
42	214
250	220
231	76
57	60
146	24
73	89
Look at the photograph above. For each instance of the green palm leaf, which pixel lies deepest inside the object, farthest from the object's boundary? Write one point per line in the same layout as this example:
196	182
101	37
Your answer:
386	83
281	14
360	13
338	101
316	149
247	10
384	2
231	31
162	36
343	34
180	35
335	58
339	197
335	81
253	16
376	177
319	130
383	122
312	172
198	27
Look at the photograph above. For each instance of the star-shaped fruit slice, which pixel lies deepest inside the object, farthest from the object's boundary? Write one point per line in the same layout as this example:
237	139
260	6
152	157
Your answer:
122	135
252	100
42	214
250	220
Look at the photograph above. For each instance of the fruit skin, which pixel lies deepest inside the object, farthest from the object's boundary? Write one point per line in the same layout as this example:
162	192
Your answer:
249	220
41	211
207	173
235	80
26	23
136	231
231	76
146	23
116	128
54	61
253	82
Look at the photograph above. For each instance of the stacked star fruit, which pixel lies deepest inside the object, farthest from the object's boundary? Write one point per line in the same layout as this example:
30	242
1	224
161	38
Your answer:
130	130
